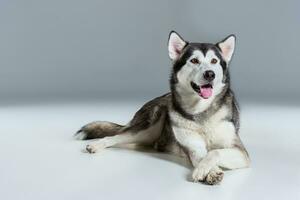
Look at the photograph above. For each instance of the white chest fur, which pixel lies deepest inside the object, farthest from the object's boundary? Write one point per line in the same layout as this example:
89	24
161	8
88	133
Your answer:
214	132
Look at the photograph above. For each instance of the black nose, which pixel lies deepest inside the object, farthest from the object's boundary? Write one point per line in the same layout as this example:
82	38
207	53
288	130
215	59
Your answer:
209	75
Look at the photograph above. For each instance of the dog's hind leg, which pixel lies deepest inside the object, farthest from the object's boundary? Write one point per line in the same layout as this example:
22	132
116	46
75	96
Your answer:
144	128
145	137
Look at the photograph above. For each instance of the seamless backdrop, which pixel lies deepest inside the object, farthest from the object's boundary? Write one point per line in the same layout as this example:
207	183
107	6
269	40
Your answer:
65	63
73	49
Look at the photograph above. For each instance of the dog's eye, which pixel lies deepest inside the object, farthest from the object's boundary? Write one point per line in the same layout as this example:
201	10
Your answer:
195	61
213	61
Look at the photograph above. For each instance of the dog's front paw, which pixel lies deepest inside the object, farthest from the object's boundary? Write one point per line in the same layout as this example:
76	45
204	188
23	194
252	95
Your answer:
200	172
214	176
208	174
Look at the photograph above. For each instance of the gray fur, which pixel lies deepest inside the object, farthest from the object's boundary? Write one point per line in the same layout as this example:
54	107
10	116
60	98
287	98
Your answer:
99	129
159	110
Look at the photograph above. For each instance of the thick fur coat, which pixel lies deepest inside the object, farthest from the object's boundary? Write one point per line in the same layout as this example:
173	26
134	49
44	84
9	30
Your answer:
199	118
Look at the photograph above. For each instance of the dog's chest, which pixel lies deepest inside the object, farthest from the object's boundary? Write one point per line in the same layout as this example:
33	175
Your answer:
213	130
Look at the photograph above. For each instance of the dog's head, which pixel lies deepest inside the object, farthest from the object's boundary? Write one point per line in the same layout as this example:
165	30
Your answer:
200	69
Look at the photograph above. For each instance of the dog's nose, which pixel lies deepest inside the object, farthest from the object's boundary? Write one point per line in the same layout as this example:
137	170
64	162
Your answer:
209	75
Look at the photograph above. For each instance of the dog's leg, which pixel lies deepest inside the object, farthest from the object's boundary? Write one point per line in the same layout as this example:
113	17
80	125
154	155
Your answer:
144	128
230	158
192	142
207	164
195	146
233	156
145	137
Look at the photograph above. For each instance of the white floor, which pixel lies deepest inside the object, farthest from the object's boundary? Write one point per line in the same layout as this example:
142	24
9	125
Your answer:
40	160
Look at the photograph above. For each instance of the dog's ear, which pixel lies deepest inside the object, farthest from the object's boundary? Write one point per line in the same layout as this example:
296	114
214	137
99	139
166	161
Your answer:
175	45
227	47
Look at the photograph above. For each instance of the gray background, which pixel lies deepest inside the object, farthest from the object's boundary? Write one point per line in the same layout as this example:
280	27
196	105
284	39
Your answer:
74	49
56	52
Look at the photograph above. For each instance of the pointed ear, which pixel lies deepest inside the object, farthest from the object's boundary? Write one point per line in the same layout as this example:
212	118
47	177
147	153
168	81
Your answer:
175	45
227	47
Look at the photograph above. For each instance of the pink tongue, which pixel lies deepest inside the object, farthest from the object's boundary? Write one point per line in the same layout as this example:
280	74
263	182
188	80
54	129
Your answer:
205	92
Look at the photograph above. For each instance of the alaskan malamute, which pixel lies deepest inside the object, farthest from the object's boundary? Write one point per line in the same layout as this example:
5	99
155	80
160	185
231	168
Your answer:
198	118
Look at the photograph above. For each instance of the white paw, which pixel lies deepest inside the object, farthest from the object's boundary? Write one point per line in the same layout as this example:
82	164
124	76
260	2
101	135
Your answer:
95	147
214	176
200	172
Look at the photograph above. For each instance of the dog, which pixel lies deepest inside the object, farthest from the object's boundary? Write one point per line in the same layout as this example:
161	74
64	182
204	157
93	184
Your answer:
198	118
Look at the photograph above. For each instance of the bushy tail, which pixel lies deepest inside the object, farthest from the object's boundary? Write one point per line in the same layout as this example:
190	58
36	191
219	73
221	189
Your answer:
99	129
145	117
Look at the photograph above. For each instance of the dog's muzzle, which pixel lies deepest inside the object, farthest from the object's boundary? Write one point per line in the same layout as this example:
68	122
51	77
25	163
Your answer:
205	91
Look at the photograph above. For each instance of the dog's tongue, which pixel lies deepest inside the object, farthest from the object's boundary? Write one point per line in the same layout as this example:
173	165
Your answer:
205	92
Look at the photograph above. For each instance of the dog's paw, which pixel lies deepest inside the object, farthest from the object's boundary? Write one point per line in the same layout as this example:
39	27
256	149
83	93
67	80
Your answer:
90	148
200	172
95	147
214	176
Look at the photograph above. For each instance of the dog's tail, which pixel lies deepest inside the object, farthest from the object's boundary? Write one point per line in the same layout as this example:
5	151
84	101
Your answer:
99	129
145	117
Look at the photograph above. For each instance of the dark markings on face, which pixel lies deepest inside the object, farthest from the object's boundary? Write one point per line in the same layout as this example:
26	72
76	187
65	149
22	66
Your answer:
187	53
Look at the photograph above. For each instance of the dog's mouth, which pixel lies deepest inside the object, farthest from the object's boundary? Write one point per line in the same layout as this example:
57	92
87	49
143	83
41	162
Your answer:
205	91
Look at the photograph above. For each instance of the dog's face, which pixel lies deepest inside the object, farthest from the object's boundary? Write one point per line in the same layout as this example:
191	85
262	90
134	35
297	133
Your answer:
200	68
